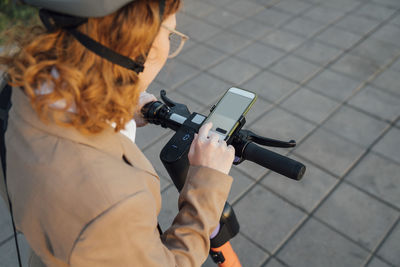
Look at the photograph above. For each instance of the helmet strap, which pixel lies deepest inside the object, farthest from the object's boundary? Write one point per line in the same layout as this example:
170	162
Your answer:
162	9
53	21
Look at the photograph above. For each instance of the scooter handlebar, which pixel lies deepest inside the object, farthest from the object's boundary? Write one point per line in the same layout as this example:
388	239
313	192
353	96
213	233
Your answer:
273	161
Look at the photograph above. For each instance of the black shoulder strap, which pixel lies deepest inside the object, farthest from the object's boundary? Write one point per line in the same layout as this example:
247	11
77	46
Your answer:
5	105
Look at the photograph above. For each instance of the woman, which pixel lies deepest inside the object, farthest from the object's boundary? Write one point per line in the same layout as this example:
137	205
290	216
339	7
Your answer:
83	194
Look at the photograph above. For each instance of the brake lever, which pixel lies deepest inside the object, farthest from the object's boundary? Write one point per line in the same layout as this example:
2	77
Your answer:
264	141
175	107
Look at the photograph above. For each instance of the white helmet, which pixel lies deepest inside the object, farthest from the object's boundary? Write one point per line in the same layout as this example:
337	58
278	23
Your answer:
68	14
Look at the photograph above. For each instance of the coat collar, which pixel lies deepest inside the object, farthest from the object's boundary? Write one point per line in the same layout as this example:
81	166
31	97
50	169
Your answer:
108	141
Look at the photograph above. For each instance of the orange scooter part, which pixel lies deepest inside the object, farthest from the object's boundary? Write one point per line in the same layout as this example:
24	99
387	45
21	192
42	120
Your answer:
231	259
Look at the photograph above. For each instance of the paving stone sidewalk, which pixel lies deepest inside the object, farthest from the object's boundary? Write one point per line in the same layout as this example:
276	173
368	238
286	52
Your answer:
327	73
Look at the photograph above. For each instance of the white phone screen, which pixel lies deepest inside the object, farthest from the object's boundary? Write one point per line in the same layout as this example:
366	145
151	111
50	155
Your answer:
228	111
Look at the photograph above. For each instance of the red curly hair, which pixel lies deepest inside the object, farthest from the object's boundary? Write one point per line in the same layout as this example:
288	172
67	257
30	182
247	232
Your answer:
101	92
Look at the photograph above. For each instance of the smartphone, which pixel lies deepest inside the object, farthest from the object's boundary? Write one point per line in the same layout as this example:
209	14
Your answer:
225	115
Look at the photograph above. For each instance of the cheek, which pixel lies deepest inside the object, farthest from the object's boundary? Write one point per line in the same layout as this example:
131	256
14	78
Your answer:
165	46
156	59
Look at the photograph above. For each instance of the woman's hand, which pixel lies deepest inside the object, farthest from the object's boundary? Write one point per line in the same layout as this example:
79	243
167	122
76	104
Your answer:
209	151
144	98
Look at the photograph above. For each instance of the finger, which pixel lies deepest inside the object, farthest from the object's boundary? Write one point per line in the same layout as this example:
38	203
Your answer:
214	138
231	148
195	139
203	131
145	98
193	146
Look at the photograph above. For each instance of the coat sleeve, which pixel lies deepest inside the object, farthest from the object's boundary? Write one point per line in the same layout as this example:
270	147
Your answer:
127	235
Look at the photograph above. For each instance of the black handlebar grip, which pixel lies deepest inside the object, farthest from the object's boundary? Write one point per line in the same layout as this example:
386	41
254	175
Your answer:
273	161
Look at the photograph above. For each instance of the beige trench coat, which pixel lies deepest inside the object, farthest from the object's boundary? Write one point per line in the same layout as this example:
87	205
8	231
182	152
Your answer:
94	200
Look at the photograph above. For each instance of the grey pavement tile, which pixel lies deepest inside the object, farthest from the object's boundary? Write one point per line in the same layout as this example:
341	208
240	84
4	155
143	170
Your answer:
396	20
251	169
346	5
183	19
250	28
334	85
306	193
228	42
310	105
222	18
201	56
244	8
389	81
273	263
390	249
191	103
292	6
377	176
355	66
330	152
364	219
324	14
396	65
388	33
155	87
175	73
204	88
295	68
169	207
369	47
389	145
283	40
259	108
280	124
338	37
234	71
377	102
304	26
8	253
261	55
357	24
254	215
373	11
317	52
240	183
188	44
355	126
270	86
248	253
148	134
272	17
197	29
6	229
388	3
221	3
164	183
197	8
375	262
317	245
266	3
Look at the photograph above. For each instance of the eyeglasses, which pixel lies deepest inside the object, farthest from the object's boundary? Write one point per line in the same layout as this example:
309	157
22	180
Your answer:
177	40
